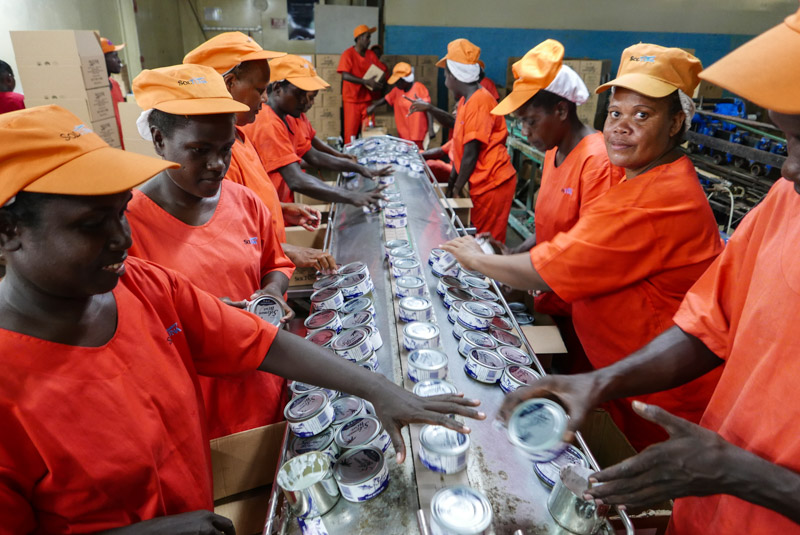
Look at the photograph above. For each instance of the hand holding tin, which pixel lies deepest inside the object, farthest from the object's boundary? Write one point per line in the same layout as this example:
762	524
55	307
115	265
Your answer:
301	215
288	313
383	171
465	249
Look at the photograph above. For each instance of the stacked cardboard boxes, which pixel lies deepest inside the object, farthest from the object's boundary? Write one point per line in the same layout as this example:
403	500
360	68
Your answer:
128	114
67	68
326	115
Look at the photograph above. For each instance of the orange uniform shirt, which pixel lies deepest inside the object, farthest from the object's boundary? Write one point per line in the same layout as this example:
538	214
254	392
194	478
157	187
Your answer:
227	257
625	267
96	438
357	65
566	190
488	84
744	308
116	98
246	169
275	145
412	127
304	133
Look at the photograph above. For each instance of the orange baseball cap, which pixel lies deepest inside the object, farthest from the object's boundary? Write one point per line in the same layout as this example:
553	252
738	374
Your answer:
362	29
401	70
461	51
534	72
47	149
656	71
297	71
227	50
107	46
762	69
185	90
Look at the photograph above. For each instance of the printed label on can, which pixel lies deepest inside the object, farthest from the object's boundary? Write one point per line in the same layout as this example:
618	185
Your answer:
267	308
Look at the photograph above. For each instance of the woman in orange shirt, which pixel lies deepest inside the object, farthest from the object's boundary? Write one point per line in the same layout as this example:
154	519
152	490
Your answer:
635	251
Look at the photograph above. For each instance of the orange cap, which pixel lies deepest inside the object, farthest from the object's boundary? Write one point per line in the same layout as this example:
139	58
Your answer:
297	71
184	90
765	69
461	51
362	29
107	46
656	71
535	71
401	70
47	149
227	50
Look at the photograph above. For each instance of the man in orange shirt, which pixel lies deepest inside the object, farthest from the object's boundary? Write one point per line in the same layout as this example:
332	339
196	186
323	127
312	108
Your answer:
738	471
489	85
636	250
412	127
356	90
113	66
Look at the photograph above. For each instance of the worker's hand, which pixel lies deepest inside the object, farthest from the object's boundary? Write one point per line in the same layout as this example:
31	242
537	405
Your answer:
236	304
369	198
499	247
315	258
693	462
369	84
302	215
371	108
351	157
466	250
577	393
288	313
417	105
192	523
383	171
397	407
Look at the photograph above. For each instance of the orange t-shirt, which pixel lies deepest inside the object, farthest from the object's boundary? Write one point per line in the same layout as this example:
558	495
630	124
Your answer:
275	145
246	169
96	438
116	98
474	121
227	257
357	65
304	133
412	127
490	87
626	265
744	308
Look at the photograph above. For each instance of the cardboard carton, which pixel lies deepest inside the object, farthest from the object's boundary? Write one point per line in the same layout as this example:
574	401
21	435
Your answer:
327	61
79	49
330	100
51	80
108	131
100	104
77	106
462	207
303	238
247	510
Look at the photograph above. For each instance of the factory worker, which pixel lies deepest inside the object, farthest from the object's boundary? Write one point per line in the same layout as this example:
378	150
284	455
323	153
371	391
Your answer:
245	68
306	134
9	100
215	232
102	416
277	138
114	66
357	92
489	85
410	126
737	471
636	250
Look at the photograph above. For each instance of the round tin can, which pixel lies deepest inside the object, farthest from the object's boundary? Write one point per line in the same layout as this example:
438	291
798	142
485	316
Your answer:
517	307
386	180
322	442
357	319
395	209
516	376
361	474
346	408
449	281
537	427
475	340
456	294
309	414
459	329
302	388
396	222
437	271
475	315
549	472
392	196
452	312
327	281
409	286
523	318
434	255
459	510
496	307
400	252
469	273
267	308
308	484
415	309
375	339
369	361
426	364
434	387
483	294
356	285
395	244
362	431
353	344
502	324
505	338
420	335
322	337
443	450
357	305
513	355
324	319
406	267
476	282
327	298
353	268
484	366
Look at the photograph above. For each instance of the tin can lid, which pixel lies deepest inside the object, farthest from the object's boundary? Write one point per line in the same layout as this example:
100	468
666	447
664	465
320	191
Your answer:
359	431
353	279
326	281
357	304
436	252
393	244
301	388
421	330
514	355
523	318
486	358
352	267
434	387
549	472
410	281
406	263
321	337
427	359
479	339
470	273
395	205
305	406
483	294
440	439
401	252
516	306
495	306
267	308
461	509
522	374
501	323
459	294
537	424
452	282
504	337
301	445
349	338
323	294
358	465
345	407
415	303
301	472
476	282
356	319
477	309
457	304
319	319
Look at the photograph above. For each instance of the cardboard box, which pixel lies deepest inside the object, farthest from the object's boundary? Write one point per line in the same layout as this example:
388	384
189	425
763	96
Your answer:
462	208
327	61
107	129
324	114
77	106
429	72
707	90
374	131
594	72
248	510
427	60
79	49
303	238
129	112
51	80
100	104
140	146
329	100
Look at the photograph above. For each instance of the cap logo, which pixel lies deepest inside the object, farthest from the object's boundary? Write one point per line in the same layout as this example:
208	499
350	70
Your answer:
193	81
645	59
77	132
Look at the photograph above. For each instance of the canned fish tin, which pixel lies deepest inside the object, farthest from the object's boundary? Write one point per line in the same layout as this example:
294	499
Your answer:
452	312
460	510
357	319
420	335
309	414
375	339
502	324
386	180
267	308
523	318
483	294
426	364
484	366
394	244
324	319
322	337
362	431
353	268
453	271
327	298
517	307
322	442
513	355
515	376
346	408
396	222
392	196
475	340
406	267
456	294
449	282
475	315
327	281
356	285
352	344
459	329
443	450
357	305
302	388
400	252
434	387
409	286
395	209
476	282
308	484
496	307
549	472
361	473
434	255
415	309
505	338
537	427
469	273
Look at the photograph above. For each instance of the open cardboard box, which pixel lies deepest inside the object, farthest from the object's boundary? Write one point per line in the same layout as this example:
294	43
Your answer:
462	207
303	238
302	198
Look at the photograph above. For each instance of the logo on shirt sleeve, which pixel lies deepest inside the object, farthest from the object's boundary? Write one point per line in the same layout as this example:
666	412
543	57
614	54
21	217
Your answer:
251	241
172	330
566	191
